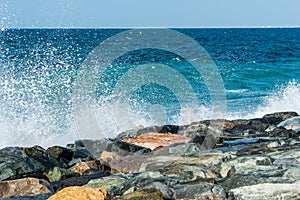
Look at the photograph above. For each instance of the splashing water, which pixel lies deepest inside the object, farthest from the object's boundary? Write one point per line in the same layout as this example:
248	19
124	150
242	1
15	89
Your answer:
284	98
37	72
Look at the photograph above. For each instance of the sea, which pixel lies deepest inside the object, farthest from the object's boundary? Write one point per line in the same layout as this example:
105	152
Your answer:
61	85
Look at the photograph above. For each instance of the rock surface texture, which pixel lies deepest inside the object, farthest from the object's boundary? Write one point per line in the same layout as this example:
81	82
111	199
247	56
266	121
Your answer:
210	159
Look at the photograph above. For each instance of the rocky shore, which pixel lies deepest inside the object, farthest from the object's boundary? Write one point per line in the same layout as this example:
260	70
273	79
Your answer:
210	159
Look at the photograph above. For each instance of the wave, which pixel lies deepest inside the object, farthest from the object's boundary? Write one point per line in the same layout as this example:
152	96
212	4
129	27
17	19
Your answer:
283	98
46	126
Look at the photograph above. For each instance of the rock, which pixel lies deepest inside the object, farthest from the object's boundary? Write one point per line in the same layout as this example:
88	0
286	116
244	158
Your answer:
36	197
153	140
65	155
202	159
126	164
166	191
24	162
58	174
79	192
272	167
24	187
81	167
197	190
114	184
97	147
291	124
282	133
276	118
119	184
207	197
173	129
184	149
266	191
75	181
145	194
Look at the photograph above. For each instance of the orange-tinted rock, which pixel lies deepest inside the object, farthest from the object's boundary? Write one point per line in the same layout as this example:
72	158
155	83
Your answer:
153	140
82	193
81	167
24	187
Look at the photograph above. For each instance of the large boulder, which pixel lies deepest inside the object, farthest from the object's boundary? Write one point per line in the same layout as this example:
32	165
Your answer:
153	140
145	194
276	118
189	191
96	147
266	191
24	187
23	162
58	174
120	184
79	192
291	124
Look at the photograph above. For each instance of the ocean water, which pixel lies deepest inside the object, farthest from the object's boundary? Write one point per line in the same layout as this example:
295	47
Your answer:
41	77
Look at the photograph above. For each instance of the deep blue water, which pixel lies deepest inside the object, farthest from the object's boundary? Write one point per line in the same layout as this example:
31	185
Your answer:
39	69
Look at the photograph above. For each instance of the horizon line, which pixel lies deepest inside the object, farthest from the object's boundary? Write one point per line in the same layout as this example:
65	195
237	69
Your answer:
147	27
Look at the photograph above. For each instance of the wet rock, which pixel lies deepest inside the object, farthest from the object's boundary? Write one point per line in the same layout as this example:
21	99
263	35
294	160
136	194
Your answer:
24	162
96	147
138	131
145	194
173	129
58	174
65	155
203	127
153	140
283	133
266	191
24	187
197	190
79	192
276	118
291	124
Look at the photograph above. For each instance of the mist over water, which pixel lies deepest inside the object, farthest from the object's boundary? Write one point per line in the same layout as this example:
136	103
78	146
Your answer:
38	69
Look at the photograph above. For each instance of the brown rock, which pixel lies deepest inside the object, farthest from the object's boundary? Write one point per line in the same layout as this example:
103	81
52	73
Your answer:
107	156
127	164
79	192
81	167
153	140
24	187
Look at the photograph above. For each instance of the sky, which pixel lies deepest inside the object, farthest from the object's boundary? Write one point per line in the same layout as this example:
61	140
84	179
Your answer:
148	13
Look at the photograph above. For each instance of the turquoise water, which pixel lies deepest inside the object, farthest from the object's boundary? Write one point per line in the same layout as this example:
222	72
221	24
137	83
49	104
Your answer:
39	69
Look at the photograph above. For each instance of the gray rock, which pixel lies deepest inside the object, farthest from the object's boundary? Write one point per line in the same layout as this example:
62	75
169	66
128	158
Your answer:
124	183
96	147
266	191
291	124
24	162
276	118
197	190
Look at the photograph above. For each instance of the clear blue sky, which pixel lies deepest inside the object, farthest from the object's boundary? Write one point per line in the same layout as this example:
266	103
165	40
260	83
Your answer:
149	13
